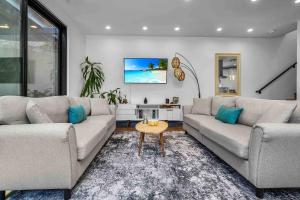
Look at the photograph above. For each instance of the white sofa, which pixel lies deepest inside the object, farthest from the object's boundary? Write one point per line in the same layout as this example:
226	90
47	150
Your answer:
266	154
48	156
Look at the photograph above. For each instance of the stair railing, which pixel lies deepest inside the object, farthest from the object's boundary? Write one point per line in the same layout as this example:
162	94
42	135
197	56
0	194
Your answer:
277	77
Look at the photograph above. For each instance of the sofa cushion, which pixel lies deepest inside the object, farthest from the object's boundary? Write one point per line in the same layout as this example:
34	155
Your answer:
84	101
55	107
90	132
234	138
76	114
202	106
219	101
253	109
36	115
13	110
110	120
278	113
228	115
194	120
99	107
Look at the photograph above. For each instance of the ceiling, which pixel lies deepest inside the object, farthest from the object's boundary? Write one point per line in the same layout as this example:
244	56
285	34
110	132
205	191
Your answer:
268	18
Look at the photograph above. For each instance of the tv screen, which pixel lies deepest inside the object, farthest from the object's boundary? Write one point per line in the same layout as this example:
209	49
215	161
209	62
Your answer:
145	70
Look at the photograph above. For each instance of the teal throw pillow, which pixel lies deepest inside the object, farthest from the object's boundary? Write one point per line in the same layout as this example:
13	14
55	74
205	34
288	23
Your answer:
228	115
76	114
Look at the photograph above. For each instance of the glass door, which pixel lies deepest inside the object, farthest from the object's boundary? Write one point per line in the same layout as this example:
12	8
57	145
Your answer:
10	56
43	56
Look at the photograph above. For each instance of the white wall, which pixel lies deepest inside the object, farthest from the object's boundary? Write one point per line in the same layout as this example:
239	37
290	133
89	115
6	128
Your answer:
76	47
298	60
261	59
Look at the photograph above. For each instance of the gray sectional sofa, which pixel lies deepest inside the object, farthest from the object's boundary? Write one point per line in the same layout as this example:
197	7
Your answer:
48	156
266	154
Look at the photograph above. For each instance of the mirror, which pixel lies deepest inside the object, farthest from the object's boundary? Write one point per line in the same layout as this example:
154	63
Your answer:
227	74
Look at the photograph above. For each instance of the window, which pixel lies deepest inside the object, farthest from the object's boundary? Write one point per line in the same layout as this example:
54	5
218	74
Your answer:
32	50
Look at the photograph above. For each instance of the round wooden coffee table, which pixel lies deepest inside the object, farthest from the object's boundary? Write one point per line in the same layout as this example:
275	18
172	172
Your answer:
153	130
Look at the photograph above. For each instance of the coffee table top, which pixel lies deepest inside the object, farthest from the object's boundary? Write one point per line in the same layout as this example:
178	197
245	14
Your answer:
145	128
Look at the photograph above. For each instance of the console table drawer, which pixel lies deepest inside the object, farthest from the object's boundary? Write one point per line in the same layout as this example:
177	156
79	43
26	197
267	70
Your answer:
125	112
126	117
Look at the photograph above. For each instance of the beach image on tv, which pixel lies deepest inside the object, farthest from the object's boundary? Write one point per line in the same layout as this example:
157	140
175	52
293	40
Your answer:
145	70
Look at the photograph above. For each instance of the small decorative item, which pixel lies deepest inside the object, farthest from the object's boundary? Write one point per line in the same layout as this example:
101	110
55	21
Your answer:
180	74
145	120
167	101
175	100
125	101
153	122
145	100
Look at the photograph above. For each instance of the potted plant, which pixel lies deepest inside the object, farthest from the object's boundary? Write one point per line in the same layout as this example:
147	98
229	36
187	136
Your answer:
93	78
112	96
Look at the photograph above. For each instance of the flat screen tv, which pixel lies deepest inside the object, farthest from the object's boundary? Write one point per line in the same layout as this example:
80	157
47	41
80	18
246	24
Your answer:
145	70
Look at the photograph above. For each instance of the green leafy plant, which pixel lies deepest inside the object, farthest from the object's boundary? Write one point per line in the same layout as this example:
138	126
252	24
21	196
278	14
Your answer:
112	96
93	78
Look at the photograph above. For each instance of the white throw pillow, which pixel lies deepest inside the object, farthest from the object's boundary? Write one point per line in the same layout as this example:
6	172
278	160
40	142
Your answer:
202	106
99	107
278	113
35	115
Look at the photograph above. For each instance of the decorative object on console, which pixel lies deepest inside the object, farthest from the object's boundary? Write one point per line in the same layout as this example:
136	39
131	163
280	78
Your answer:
175	100
180	74
93	78
145	101
167	101
125	101
112	97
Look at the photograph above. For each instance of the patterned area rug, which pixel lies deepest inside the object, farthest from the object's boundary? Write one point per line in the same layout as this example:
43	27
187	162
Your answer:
188	171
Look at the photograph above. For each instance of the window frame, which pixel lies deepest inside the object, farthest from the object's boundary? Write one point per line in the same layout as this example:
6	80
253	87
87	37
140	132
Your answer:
62	44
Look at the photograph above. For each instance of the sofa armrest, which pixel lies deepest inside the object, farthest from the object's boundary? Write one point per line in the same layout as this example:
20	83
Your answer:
187	109
274	158
37	156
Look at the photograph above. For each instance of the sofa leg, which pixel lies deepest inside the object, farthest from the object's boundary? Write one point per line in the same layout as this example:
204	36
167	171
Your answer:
67	194
2	195
259	193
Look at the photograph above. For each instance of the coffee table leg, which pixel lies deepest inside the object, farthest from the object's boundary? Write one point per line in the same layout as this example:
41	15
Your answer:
162	143
142	137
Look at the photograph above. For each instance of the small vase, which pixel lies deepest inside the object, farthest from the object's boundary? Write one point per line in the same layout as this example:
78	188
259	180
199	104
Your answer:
145	100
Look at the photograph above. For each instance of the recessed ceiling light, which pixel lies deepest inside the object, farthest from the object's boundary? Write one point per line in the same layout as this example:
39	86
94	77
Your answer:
297	1
145	28
4	26
220	29
253	0
250	30
177	28
107	27
33	26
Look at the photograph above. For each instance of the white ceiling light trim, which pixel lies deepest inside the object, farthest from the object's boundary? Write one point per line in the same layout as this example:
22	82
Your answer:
177	28
108	27
250	30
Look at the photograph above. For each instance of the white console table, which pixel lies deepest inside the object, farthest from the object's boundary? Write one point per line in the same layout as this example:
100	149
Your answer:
135	112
